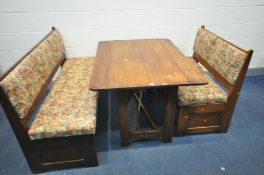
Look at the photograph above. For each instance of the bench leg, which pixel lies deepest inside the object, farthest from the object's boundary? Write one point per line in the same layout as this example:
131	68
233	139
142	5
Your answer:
91	155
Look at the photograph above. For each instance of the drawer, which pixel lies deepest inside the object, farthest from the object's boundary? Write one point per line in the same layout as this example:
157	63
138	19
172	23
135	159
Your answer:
203	120
205	109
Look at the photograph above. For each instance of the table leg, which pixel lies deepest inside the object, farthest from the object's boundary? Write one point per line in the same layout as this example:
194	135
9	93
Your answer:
123	117
170	112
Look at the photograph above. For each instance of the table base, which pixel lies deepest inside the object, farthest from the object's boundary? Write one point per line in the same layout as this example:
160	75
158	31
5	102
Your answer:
165	133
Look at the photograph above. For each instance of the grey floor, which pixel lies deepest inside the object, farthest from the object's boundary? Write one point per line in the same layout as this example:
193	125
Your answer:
239	152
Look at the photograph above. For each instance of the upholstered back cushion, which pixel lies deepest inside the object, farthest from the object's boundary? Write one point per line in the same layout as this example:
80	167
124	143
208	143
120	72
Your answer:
24	82
225	58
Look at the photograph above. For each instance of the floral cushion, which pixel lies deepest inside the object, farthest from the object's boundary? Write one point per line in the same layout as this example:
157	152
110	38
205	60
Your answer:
222	56
56	42
70	107
24	83
201	94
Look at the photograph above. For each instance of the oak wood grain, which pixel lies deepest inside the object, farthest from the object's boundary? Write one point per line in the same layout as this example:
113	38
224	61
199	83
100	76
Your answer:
143	63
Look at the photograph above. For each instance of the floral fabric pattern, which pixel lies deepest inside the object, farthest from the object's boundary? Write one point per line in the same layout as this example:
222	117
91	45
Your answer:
56	42
201	94
70	108
24	83
222	56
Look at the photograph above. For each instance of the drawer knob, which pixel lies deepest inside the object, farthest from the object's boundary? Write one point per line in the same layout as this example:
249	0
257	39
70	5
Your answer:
203	109
205	120
186	116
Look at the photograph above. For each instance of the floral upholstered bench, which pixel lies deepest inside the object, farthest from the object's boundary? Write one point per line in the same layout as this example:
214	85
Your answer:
62	132
209	108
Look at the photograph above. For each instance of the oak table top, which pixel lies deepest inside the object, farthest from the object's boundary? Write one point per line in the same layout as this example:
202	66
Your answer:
142	63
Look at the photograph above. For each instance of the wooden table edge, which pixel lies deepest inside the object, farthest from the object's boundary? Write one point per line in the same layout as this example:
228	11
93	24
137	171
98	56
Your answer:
145	87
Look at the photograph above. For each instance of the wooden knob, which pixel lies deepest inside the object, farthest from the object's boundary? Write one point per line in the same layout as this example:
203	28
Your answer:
186	116
205	120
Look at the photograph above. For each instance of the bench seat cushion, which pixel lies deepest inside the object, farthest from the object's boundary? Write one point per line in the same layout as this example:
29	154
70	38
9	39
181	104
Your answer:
202	94
70	107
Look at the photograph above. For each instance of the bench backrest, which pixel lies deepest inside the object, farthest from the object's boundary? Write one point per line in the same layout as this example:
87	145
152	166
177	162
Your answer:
25	83
222	58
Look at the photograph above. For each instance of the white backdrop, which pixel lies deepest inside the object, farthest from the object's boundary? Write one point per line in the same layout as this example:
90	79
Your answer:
85	22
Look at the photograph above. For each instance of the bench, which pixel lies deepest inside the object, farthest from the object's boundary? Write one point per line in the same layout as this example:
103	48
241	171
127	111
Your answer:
62	133
209	108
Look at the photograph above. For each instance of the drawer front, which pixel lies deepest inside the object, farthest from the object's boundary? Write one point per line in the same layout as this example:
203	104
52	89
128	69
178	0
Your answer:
203	120
207	109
